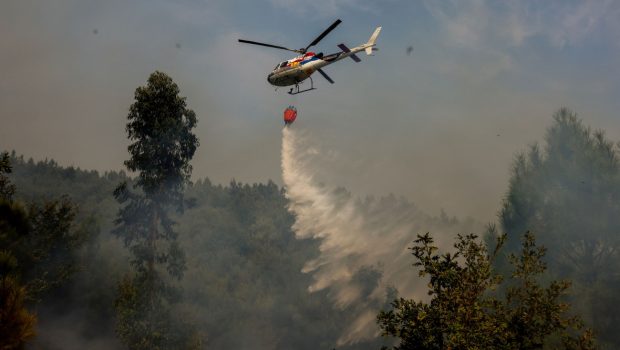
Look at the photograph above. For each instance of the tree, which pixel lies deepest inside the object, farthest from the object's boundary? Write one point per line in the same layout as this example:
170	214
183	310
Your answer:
7	189
577	172
569	193
457	315
243	272
534	313
160	128
37	253
465	310
17	322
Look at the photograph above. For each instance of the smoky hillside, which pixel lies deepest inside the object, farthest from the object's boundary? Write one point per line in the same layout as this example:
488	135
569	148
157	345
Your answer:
310	265
243	287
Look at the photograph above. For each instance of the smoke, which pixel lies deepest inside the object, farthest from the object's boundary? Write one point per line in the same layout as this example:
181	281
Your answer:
357	237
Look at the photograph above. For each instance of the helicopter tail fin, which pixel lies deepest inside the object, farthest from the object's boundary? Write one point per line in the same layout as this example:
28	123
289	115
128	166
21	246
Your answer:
371	42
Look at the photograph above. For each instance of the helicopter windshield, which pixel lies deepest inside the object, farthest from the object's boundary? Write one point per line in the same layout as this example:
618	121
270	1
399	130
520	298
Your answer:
281	65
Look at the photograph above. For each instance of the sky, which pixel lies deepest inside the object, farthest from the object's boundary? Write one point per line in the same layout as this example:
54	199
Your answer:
440	127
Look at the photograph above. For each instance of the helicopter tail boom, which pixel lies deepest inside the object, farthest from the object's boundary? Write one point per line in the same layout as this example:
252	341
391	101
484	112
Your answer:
345	49
368	46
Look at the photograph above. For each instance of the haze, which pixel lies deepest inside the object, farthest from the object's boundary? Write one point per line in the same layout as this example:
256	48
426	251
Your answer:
440	126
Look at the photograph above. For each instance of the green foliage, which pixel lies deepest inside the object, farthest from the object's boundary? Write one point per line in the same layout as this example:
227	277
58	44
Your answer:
43	239
460	314
160	127
7	189
243	286
245	272
569	193
90	292
243	262
53	253
17	323
534	313
579	172
38	245
151	326
466	312
38	181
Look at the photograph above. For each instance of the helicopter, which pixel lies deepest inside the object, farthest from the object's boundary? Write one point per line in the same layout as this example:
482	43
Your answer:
300	68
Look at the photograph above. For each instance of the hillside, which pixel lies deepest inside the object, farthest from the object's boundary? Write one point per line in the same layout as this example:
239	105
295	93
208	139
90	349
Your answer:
244	284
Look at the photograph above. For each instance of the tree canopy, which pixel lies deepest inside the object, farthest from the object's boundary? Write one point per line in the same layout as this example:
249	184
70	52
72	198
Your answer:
160	126
38	244
568	191
465	310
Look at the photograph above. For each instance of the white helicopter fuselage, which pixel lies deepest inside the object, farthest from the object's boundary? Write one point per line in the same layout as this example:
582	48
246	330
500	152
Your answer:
298	69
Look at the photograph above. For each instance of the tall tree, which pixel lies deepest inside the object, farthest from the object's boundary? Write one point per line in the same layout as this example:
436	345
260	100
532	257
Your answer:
568	191
160	128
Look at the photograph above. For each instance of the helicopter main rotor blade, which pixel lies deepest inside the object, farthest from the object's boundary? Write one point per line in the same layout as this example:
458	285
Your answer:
268	45
320	37
325	75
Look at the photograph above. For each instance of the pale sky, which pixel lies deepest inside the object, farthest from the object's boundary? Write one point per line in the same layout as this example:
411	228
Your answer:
440	126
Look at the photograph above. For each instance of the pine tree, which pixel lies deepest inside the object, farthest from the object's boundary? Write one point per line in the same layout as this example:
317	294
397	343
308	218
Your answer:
568	192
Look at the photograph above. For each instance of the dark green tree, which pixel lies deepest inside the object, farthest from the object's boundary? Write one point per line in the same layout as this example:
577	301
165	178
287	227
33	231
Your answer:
568	191
243	266
42	238
160	128
7	189
38	245
17	323
466	311
459	315
535	315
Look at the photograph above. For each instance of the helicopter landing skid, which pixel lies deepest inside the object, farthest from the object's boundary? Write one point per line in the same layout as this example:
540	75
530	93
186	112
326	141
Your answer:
295	90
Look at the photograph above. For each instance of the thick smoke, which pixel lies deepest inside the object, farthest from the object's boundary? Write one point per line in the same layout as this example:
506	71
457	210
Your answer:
356	236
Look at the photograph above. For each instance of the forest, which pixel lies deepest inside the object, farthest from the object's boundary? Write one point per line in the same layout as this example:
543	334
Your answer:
113	260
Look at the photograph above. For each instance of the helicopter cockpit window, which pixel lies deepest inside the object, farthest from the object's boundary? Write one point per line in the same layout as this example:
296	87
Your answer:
283	64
